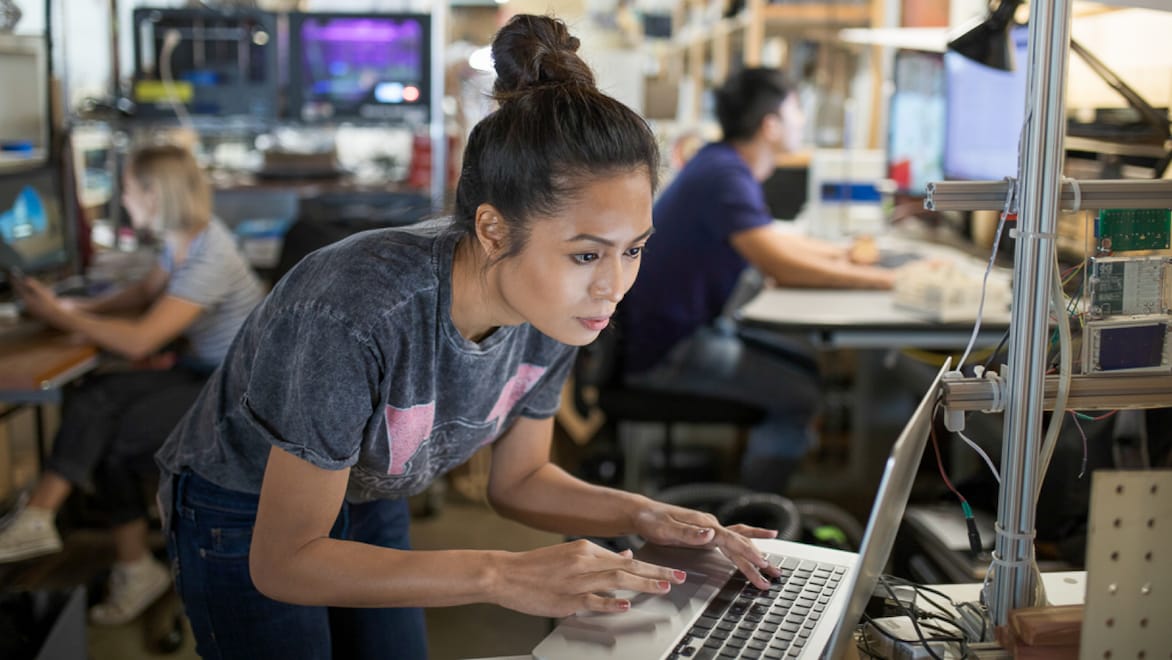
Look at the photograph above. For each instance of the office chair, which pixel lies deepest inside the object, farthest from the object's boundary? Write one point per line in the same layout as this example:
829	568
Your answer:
598	383
329	218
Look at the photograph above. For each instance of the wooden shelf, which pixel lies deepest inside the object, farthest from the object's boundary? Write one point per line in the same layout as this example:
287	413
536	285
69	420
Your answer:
802	16
793	159
708	44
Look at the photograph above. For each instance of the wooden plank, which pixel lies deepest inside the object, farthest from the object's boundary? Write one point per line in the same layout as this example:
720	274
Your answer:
33	363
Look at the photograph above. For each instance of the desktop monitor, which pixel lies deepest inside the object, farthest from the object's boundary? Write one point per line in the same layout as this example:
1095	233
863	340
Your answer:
360	67
785	192
915	137
986	112
209	62
34	221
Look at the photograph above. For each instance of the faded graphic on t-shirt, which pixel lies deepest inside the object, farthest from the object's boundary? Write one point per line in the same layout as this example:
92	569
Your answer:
406	430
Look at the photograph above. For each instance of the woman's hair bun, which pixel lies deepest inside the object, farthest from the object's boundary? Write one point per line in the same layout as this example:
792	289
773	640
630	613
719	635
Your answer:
533	51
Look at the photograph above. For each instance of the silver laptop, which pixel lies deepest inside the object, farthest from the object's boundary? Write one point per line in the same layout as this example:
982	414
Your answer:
810	612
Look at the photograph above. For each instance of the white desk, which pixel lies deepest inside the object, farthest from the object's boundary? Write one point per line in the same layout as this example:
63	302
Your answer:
869	321
833	318
1062	588
838	318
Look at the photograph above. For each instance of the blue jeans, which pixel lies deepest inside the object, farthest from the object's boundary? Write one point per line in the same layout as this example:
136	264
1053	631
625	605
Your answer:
209	539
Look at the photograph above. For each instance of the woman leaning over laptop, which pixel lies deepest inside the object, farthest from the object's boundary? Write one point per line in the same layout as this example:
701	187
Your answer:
383	361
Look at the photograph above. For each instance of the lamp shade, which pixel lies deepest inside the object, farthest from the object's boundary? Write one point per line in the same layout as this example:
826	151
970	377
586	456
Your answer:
987	41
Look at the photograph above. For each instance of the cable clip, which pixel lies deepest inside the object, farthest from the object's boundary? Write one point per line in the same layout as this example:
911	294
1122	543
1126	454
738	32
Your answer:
997	384
1014	232
1074	187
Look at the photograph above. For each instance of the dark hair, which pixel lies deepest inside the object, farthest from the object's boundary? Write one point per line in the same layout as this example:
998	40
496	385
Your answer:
553	132
746	98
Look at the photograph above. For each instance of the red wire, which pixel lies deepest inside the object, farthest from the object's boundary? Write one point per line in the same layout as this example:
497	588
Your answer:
940	463
1103	416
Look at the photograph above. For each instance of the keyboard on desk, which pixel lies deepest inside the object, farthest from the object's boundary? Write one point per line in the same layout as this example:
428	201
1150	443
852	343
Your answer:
894	259
745	622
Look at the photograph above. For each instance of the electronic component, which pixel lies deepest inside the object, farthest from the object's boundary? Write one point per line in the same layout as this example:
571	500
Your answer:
896	637
1134	344
1168	285
1123	230
1128	285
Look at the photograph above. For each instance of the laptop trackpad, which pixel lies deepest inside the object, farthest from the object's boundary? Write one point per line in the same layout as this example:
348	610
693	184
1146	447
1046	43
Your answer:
648	611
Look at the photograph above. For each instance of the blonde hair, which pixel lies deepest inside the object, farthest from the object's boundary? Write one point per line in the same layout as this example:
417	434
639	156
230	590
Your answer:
183	193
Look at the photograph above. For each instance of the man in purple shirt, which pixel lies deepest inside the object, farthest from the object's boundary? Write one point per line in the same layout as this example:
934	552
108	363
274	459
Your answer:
711	225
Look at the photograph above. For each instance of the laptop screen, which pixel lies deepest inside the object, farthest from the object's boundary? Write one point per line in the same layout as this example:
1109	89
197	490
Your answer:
886	514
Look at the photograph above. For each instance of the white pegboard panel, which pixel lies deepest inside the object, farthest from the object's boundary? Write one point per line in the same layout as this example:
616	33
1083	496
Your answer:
1129	567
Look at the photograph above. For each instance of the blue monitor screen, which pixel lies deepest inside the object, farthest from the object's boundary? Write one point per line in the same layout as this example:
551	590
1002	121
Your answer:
32	221
915	139
351	66
986	111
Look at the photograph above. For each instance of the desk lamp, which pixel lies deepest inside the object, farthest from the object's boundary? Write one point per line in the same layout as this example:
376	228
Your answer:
987	41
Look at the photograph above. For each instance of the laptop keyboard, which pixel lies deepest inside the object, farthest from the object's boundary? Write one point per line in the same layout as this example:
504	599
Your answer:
744	622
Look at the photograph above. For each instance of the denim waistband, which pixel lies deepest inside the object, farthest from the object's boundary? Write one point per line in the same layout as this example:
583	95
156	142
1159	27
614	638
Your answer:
193	491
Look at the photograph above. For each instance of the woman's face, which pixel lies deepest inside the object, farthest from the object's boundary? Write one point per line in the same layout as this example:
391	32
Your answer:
577	266
140	203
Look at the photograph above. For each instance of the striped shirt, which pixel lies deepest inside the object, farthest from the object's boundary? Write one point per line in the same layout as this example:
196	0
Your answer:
217	277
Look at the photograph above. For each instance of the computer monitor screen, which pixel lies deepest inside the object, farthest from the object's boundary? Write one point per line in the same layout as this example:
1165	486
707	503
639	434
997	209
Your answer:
372	67
221	63
986	111
915	138
33	221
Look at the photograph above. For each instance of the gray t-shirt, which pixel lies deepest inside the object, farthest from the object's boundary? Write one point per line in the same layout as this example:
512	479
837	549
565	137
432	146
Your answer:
215	276
353	361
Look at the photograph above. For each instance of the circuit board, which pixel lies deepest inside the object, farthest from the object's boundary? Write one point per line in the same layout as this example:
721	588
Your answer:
1123	230
1128	285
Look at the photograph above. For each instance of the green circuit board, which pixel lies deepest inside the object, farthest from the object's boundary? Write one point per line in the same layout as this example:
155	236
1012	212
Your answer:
1124	230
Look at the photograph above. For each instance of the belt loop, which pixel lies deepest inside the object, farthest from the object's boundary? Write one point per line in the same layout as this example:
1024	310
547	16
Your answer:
181	481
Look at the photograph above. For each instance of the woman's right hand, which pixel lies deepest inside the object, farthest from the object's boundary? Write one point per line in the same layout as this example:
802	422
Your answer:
559	580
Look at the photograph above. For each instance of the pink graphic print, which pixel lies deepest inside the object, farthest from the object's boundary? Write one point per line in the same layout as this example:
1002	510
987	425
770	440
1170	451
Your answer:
407	428
526	377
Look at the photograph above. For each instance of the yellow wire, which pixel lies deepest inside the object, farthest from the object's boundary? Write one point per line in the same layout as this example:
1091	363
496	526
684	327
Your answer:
936	358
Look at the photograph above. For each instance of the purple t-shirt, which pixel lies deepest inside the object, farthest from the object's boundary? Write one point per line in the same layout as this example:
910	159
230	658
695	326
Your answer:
690	268
353	361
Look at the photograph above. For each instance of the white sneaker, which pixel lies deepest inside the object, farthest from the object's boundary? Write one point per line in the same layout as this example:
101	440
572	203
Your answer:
31	533
132	588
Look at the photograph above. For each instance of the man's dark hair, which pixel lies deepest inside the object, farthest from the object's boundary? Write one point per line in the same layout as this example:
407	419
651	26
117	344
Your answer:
746	98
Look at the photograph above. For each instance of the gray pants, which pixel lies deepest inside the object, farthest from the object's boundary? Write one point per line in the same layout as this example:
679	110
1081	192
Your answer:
111	426
777	374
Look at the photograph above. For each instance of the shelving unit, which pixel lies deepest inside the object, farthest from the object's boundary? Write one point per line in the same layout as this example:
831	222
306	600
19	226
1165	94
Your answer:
708	44
24	107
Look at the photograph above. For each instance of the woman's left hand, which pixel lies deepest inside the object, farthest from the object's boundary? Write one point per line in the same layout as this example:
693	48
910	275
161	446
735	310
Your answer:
665	524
